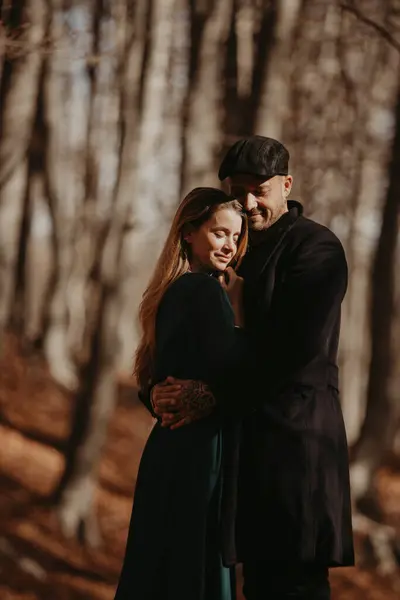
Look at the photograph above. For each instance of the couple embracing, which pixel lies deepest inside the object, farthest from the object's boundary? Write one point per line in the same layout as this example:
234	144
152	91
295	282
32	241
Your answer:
247	462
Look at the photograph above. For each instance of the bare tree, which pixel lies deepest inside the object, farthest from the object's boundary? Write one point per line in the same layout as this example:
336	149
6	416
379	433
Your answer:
19	92
273	109
95	323
138	145
204	126
379	427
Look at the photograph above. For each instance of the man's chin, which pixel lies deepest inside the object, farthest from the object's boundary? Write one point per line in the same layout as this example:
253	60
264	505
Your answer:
258	225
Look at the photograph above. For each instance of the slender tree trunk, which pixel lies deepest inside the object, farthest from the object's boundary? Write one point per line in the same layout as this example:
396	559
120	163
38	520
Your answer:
96	399
365	202
204	130
3	45
20	89
140	247
245	27
90	217
273	110
94	405
38	264
66	143
18	96
139	195
378	430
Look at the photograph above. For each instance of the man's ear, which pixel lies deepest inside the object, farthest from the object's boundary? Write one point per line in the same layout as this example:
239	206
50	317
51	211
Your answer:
288	184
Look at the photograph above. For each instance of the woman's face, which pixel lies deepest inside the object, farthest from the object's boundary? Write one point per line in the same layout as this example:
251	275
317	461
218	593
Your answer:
214	244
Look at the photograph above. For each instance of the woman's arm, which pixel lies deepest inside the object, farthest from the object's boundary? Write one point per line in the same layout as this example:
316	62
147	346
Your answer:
223	347
144	396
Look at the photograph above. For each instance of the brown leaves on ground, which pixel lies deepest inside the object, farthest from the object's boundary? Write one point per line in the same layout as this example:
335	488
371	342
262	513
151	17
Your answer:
36	562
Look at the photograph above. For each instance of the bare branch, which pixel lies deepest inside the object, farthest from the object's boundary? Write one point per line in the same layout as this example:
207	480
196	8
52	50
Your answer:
371	23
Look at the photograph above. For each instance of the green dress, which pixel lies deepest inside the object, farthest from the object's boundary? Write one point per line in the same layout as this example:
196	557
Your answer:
173	550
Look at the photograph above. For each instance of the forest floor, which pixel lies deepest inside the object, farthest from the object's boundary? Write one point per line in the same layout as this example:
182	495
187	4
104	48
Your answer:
36	561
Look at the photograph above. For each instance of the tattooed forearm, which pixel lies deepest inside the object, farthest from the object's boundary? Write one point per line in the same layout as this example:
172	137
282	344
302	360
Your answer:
196	395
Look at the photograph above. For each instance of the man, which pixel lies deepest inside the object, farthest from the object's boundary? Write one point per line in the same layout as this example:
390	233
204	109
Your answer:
286	502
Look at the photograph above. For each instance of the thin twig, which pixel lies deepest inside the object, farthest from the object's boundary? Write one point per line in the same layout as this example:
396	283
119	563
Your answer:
371	23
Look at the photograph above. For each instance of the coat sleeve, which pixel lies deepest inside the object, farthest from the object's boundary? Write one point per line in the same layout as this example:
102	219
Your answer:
222	344
212	328
144	397
229	350
296	328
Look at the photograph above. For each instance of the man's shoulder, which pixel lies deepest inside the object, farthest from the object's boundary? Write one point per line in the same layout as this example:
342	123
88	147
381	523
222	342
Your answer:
307	230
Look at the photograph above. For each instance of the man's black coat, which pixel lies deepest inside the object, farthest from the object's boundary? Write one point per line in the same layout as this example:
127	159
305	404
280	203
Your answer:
286	486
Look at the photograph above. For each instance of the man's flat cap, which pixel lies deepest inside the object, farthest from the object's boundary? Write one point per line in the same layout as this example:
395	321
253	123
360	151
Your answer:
255	155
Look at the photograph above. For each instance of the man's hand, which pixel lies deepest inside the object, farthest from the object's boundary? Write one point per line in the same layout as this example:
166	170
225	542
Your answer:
181	401
165	396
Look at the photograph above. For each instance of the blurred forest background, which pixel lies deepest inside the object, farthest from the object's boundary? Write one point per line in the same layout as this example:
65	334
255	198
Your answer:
111	110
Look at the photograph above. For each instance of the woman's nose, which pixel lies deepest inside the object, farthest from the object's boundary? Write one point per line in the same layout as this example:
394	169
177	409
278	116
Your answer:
229	245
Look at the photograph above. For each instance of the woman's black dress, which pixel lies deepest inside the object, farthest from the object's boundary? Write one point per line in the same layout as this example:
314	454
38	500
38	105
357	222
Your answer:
172	550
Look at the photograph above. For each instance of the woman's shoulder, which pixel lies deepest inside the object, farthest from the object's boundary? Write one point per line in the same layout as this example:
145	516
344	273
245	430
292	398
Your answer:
194	288
193	281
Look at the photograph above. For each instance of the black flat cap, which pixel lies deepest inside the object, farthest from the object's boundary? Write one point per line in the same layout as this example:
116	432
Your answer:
255	155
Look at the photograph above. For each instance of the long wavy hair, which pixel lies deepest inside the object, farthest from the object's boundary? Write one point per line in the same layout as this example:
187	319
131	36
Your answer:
195	210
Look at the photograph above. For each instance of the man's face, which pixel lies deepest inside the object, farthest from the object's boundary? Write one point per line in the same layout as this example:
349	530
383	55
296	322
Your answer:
264	200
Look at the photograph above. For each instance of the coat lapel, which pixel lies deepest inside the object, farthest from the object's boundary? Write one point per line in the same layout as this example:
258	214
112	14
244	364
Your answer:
261	253
259	284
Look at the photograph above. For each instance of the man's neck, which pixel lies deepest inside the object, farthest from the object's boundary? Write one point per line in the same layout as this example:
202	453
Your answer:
259	235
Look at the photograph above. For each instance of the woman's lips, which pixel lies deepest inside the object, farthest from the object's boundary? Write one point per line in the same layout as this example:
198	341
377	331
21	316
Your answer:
223	258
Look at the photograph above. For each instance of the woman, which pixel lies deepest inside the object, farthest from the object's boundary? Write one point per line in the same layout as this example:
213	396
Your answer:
189	331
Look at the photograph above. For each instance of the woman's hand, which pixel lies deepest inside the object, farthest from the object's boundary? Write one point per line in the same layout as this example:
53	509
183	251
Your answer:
233	285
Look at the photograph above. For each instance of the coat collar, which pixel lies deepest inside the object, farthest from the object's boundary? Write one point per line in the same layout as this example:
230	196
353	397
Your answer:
295	209
261	251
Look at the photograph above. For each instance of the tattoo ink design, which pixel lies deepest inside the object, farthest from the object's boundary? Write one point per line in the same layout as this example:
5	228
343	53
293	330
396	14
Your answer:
196	395
197	402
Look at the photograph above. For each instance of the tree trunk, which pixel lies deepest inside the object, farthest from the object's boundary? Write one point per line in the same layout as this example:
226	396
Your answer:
94	405
20	89
273	110
96	399
38	263
367	96
245	28
204	129
167	188
130	102
142	193
66	144
18	96
96	205
378	430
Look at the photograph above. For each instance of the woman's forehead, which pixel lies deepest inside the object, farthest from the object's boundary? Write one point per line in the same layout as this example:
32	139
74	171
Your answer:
226	216
249	182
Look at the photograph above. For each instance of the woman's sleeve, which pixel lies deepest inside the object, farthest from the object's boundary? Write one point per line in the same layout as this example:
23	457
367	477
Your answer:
144	396
226	348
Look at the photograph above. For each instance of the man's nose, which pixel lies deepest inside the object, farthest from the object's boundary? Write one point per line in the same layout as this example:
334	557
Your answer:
250	202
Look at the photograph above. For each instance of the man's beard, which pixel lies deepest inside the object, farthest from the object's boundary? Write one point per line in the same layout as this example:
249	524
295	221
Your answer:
265	219
262	221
